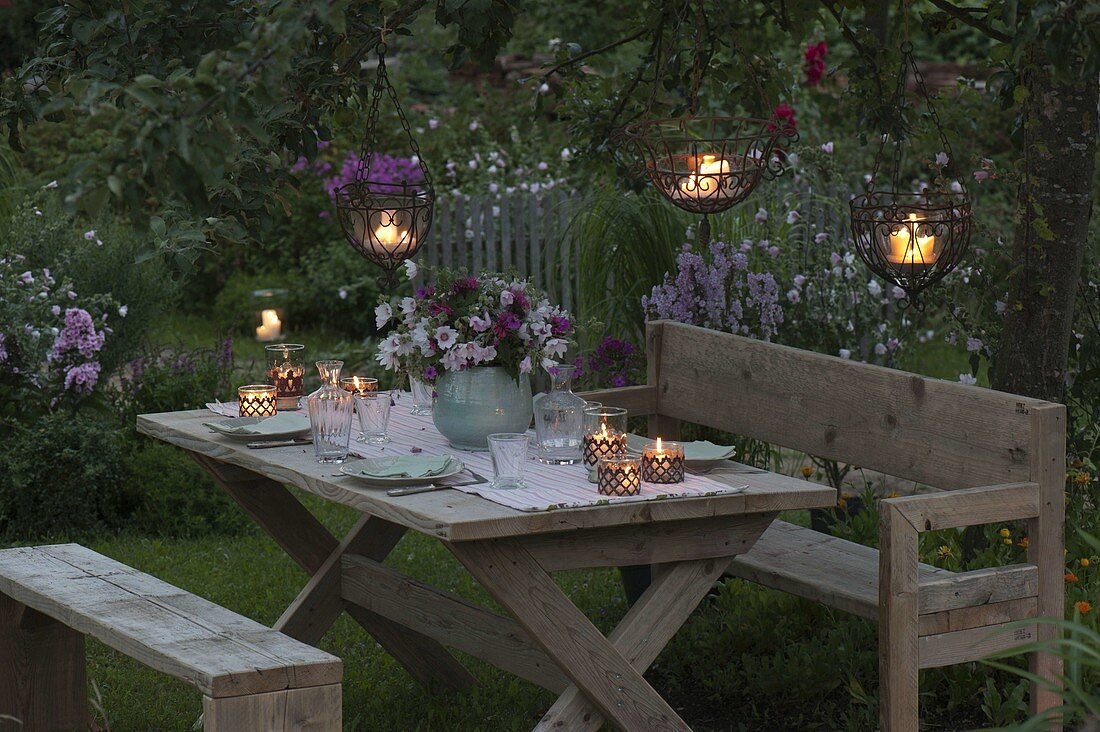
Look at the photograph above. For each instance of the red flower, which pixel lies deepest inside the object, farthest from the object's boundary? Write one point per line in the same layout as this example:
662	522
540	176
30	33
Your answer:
814	67
782	118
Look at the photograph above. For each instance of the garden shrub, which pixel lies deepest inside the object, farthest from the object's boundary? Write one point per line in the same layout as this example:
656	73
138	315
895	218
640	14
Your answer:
62	477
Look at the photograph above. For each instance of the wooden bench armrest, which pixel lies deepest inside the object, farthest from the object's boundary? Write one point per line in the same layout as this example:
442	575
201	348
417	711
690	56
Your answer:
968	506
640	401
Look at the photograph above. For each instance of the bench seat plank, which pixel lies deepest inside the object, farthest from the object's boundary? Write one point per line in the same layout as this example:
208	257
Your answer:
844	574
217	651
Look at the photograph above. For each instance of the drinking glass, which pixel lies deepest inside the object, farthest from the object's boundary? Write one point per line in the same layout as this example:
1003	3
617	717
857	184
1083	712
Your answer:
374	416
421	396
509	453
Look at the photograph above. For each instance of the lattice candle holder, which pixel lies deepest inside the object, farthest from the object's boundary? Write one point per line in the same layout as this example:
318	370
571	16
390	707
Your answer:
286	369
619	476
663	463
604	433
257	400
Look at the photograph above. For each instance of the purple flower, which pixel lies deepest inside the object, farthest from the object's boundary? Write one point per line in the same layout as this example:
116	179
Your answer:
465	284
560	325
423	293
3	350
82	378
973	344
506	322
430	373
79	334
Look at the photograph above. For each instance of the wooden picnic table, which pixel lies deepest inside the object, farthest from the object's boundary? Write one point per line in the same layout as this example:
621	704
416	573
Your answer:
512	553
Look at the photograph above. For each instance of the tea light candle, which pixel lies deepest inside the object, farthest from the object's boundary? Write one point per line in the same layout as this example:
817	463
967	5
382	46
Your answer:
358	384
605	443
257	400
908	247
619	476
663	463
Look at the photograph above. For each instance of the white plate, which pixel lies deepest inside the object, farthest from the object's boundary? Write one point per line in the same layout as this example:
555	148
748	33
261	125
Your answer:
286	425
697	454
353	469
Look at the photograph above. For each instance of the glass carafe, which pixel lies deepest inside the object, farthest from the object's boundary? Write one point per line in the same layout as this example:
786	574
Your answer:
559	421
330	415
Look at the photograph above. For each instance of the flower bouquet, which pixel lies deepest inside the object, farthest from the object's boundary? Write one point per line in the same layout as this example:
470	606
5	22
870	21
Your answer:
476	339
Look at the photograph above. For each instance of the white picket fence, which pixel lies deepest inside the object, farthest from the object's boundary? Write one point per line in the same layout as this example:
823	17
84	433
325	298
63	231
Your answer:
520	231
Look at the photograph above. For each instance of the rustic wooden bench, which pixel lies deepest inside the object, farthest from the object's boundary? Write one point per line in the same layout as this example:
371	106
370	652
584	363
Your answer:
996	457
251	677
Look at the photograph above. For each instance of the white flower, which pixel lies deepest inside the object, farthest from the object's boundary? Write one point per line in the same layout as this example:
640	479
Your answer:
761	215
433	123
387	352
999	307
122	310
897	292
821	237
827	148
382	314
525	365
967	379
880	349
542	166
472	164
89	235
555	347
942	159
445	336
844	353
492	169
535	188
973	344
474	125
507	298
342	293
411	269
51	184
874	288
493	188
544	88
566	153
793	217
480	324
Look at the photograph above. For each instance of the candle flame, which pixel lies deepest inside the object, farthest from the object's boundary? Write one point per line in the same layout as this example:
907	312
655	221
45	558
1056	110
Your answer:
659	444
355	381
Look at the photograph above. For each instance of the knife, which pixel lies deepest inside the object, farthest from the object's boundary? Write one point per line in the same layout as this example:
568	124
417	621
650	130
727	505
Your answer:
279	443
411	490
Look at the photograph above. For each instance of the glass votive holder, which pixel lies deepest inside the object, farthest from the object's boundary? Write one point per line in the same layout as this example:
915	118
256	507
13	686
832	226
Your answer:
374	416
257	400
663	462
286	369
604	433
358	384
620	475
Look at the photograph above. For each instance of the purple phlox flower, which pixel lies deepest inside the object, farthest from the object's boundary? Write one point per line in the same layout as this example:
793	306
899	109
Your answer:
79	334
973	344
82	378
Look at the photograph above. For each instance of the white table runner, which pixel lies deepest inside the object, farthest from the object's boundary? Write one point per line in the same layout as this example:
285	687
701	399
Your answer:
548	486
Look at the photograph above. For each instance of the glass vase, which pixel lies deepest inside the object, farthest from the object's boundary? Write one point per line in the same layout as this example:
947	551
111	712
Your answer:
422	396
559	421
330	415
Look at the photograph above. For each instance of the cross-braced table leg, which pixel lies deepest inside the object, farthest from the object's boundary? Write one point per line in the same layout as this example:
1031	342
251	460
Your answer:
317	551
606	672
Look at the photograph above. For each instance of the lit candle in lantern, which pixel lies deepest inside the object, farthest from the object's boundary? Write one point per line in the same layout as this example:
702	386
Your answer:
903	249
270	328
395	239
256	400
663	463
619	476
286	369
602	444
708	179
357	385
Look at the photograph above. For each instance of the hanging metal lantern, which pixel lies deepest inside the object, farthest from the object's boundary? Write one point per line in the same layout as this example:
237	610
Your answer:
706	165
912	239
385	221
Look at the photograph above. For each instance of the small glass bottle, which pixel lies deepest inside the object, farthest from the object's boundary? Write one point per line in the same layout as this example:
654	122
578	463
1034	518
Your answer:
559	421
330	415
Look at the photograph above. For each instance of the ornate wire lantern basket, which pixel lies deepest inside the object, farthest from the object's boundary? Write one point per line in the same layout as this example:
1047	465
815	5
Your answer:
706	165
912	239
385	221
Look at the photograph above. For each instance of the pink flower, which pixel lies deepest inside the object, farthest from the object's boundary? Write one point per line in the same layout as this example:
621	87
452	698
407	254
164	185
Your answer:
827	148
942	159
481	324
814	66
980	175
525	365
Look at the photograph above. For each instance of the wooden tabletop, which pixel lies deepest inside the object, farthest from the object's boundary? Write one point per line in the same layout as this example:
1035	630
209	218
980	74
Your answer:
455	516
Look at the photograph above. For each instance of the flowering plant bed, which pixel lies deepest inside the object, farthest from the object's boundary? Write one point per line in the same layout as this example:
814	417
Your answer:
466	320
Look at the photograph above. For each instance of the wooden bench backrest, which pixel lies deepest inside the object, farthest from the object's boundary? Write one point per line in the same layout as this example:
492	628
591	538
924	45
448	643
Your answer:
934	432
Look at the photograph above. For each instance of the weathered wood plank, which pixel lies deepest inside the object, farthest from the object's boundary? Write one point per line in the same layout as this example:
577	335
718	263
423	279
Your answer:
640	636
978	587
218	658
534	241
940	433
661	424
477	242
672	541
491	234
970	506
449	619
897	627
446	233
1047	542
616	688
945	649
317	709
42	673
521	236
505	233
461	233
639	401
965	618
457	516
